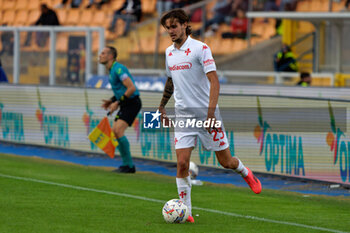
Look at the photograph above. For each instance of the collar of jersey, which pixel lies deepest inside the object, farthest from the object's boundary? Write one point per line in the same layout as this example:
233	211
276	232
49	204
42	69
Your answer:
112	65
184	46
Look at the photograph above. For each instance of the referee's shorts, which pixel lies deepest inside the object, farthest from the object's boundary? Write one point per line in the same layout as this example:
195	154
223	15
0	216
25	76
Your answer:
129	109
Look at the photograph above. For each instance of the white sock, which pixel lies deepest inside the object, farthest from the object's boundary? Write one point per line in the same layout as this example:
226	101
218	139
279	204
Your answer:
184	186
241	169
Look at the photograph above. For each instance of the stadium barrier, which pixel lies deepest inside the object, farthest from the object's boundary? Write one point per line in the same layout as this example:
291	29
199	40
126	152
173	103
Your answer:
296	137
237	76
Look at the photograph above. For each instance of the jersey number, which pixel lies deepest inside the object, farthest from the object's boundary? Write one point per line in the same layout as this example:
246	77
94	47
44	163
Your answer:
219	130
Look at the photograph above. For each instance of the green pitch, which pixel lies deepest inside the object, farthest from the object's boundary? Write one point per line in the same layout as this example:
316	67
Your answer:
38	195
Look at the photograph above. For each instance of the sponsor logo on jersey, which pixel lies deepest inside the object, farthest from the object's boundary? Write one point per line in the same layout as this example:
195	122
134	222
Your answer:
181	66
209	62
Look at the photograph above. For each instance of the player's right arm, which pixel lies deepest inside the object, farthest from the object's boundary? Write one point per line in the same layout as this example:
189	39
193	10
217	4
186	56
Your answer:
167	93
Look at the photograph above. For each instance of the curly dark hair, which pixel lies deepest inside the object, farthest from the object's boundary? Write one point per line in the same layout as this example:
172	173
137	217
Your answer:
178	14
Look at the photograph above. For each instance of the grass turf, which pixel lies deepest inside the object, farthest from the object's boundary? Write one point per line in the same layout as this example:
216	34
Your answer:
31	206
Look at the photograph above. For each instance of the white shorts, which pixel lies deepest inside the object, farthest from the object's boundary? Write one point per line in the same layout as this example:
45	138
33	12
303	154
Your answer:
216	141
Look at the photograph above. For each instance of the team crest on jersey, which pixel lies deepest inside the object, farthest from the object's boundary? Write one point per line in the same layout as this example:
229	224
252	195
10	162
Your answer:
170	54
187	51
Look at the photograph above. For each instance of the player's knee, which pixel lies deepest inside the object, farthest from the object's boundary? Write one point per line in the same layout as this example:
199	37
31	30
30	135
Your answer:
182	165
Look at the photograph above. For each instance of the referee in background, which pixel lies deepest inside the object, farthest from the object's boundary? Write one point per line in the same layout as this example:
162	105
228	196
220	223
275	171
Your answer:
126	98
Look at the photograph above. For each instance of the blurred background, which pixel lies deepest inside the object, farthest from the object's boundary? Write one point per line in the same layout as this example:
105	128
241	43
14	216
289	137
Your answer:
246	38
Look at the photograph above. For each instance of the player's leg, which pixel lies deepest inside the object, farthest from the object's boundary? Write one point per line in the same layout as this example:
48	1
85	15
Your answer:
119	127
183	161
217	141
183	180
184	144
227	161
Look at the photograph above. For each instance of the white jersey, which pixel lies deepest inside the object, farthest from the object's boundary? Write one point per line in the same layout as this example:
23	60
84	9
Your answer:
187	67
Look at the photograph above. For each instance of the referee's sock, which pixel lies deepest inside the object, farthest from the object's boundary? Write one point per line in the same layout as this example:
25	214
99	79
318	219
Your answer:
124	148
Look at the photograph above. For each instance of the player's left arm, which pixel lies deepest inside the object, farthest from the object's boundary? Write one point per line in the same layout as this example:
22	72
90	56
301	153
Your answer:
209	68
214	93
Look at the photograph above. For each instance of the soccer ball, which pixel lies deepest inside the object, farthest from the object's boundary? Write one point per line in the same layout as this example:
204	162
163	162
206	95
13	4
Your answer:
193	170
175	211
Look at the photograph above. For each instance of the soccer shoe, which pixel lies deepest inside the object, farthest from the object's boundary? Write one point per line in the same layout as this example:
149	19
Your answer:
125	169
190	219
253	182
120	169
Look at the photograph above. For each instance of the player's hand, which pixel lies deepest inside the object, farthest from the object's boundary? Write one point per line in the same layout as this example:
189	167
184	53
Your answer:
211	117
106	103
113	106
165	122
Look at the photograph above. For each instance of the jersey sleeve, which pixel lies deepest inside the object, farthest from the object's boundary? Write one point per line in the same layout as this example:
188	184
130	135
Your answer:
121	73
168	74
206	59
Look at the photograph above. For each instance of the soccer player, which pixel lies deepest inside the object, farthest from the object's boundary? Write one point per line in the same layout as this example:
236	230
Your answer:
192	78
126	98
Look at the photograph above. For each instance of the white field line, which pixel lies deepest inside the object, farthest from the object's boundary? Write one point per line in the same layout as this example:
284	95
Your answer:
162	201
